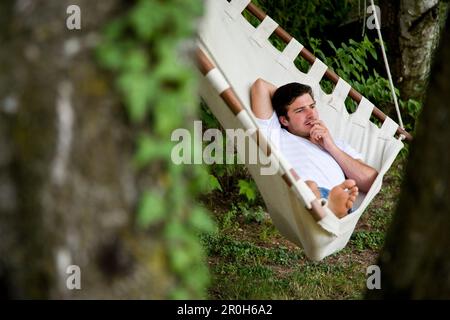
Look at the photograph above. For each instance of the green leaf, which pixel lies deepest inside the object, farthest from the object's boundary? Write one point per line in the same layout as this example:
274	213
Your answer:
151	209
149	149
110	56
180	294
201	221
180	259
176	232
168	114
136	61
115	29
198	278
135	88
148	17
356	74
220	170
207	117
183	245
200	181
332	45
214	184
248	189
359	59
373	53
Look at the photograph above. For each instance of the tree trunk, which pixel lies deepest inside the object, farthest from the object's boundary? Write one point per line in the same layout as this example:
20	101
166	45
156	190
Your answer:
419	26
412	29
68	190
415	262
389	27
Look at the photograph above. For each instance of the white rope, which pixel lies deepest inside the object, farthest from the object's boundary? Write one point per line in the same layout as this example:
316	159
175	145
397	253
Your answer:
394	96
364	19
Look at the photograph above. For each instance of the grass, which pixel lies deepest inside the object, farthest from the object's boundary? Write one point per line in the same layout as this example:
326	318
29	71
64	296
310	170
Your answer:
249	259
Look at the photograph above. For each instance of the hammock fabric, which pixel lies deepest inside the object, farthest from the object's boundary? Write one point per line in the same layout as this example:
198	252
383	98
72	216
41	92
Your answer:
232	54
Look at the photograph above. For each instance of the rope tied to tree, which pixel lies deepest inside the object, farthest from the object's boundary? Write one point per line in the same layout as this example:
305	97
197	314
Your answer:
388	70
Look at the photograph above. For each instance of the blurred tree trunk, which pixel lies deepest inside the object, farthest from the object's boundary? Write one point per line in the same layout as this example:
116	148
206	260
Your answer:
415	262
412	29
390	28
68	190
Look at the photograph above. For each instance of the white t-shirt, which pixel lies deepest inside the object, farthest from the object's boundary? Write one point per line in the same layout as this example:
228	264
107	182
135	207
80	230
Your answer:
309	160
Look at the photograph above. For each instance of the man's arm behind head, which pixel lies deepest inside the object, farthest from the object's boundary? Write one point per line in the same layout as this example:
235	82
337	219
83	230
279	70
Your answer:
261	94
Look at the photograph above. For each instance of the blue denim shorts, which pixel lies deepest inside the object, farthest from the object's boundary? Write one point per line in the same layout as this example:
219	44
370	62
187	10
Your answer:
324	193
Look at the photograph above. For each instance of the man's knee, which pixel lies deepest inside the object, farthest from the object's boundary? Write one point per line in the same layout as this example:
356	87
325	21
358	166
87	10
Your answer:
311	184
314	187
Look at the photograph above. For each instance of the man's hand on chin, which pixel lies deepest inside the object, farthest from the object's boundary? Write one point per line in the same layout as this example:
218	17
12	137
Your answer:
320	135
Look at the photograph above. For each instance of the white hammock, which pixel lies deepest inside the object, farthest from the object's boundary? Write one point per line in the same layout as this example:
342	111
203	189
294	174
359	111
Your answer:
234	54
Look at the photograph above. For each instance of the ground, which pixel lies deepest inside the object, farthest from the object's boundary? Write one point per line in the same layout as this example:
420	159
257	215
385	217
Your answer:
249	259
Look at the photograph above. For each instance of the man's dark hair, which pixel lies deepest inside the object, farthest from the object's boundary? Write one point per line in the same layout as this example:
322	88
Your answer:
286	94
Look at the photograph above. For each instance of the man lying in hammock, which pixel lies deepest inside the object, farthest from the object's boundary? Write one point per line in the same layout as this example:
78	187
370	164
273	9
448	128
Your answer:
297	131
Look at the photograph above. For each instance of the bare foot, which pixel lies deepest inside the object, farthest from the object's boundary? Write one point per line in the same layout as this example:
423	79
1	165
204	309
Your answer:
342	197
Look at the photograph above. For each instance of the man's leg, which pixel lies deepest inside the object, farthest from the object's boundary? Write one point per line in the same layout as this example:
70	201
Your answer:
313	186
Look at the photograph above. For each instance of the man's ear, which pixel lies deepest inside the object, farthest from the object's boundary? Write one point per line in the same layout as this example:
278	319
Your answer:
283	121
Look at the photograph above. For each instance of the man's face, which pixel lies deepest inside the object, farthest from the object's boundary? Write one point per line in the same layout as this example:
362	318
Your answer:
300	114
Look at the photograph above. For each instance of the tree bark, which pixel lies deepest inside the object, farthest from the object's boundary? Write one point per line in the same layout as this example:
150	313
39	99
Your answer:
389	27
68	189
412	29
415	262
419	26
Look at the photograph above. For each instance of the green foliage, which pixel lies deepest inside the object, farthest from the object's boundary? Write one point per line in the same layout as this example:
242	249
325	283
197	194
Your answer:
247	252
207	117
352	61
248	271
413	109
254	214
214	183
150	149
228	220
306	19
151	209
158	89
243	212
268	231
248	189
198	222
364	240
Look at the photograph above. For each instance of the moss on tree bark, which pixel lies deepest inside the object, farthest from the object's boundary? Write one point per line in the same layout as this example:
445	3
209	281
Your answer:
71	148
